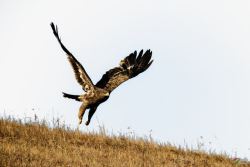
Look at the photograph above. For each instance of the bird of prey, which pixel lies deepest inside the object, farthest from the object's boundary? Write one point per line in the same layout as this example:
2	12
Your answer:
95	94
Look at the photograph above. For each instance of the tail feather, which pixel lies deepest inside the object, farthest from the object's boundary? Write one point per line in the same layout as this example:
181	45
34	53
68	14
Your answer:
76	97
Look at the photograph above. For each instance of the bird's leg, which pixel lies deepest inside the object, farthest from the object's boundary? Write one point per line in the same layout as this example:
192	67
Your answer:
91	113
81	112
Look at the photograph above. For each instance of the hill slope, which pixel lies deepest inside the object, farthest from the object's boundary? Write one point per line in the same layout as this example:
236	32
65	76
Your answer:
35	145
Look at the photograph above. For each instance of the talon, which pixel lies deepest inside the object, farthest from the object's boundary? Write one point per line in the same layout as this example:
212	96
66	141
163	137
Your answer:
87	123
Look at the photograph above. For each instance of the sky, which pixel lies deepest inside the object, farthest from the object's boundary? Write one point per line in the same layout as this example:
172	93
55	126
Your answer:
196	91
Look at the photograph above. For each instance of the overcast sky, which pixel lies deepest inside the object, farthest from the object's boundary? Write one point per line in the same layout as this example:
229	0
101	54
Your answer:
198	85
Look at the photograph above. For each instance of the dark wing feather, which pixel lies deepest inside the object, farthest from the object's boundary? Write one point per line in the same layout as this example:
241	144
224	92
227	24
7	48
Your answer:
130	67
80	73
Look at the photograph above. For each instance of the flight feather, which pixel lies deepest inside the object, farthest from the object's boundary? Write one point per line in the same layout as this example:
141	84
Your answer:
80	74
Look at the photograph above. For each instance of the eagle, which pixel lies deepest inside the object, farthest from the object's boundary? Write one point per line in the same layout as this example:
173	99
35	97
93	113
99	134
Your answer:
95	94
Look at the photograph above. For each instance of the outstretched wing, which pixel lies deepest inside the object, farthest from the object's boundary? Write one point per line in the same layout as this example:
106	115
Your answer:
129	67
80	73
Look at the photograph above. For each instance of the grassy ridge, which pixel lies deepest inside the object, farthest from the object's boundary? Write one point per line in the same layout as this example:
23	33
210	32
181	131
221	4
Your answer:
35	144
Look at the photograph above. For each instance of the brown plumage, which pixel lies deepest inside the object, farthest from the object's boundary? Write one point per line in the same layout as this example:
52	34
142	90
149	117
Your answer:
129	67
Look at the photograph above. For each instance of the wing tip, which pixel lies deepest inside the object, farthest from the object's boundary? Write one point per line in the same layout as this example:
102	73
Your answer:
55	30
142	62
52	24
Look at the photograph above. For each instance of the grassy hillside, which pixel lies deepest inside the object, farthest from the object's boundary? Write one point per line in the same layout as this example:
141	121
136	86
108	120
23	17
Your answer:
34	144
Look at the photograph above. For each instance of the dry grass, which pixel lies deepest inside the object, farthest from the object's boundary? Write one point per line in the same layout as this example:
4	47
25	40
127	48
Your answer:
34	144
